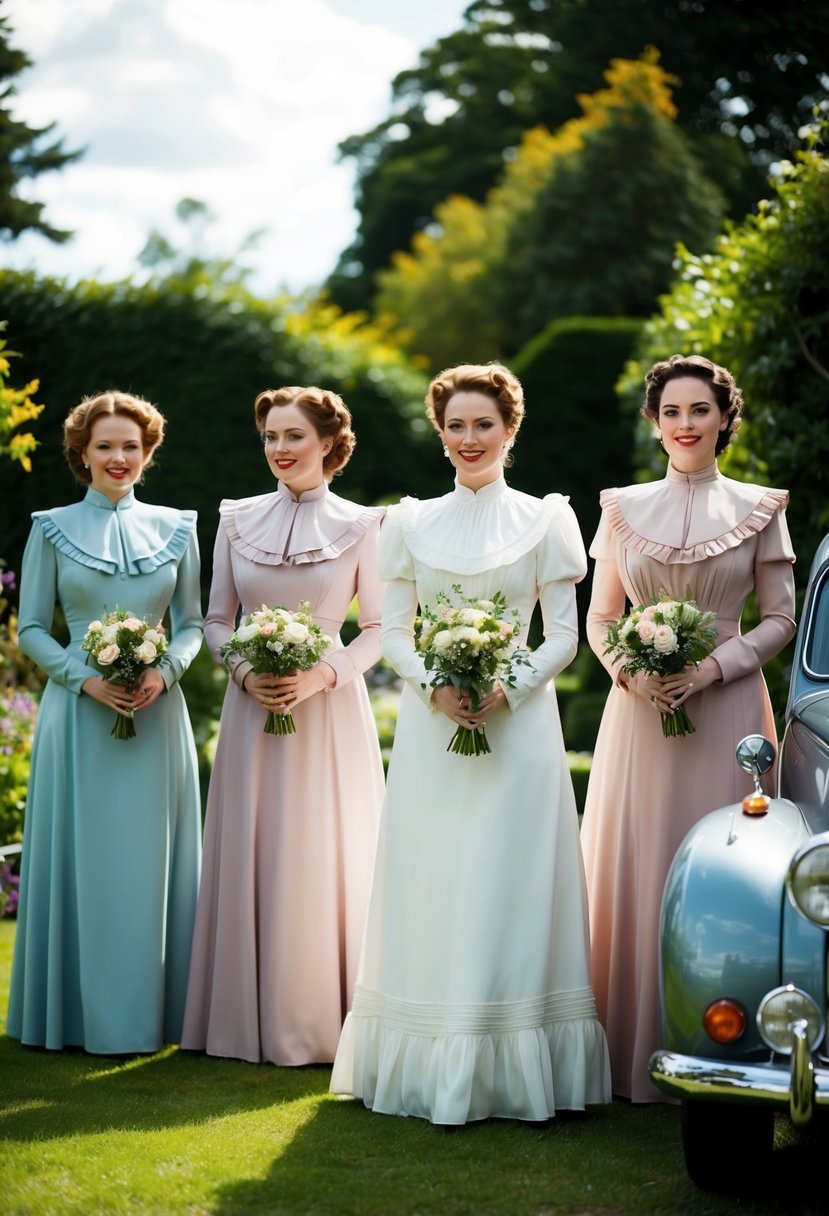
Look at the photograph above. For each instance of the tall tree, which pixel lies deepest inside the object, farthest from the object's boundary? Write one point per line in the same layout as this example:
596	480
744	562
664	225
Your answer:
748	71
25	152
584	221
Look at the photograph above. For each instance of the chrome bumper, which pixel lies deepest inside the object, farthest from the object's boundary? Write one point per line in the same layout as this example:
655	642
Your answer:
796	1085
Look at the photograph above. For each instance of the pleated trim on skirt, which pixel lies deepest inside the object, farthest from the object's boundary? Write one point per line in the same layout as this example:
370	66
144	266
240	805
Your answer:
452	1064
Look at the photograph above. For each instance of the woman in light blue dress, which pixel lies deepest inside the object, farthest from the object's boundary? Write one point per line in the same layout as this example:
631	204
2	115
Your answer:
112	840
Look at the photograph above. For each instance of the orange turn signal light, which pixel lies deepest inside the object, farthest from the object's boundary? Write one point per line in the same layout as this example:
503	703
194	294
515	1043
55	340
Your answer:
755	804
724	1020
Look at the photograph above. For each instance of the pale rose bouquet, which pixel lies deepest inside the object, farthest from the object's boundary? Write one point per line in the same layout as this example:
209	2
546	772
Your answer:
470	646
278	642
122	646
663	638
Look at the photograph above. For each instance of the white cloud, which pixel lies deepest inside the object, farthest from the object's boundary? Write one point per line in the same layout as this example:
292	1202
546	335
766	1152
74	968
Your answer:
237	102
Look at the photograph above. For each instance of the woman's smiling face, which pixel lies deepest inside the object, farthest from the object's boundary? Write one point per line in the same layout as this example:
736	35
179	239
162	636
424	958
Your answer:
475	436
690	423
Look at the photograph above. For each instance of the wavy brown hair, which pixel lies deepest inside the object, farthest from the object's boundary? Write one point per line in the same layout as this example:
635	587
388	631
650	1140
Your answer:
727	395
77	427
327	413
492	379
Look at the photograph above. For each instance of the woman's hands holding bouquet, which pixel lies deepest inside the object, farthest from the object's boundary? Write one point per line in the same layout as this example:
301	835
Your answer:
667	693
282	693
456	705
121	697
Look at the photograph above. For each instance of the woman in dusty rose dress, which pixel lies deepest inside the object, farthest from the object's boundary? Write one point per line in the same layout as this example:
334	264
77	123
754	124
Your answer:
701	533
291	823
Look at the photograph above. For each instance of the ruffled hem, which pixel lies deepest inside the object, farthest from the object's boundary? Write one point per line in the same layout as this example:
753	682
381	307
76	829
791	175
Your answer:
526	526
518	1071
759	518
341	535
171	547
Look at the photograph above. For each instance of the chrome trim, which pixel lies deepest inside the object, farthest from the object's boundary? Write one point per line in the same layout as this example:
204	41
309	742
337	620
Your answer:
802	1097
770	1084
808	622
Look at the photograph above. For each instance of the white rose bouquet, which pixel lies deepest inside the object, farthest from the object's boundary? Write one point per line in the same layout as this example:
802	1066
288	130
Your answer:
663	638
470	646
278	642
121	646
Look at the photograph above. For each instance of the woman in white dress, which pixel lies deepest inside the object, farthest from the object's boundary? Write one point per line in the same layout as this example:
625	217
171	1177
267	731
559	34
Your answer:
473	994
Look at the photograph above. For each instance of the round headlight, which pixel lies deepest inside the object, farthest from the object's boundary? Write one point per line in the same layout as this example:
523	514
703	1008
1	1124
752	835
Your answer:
778	1012
808	882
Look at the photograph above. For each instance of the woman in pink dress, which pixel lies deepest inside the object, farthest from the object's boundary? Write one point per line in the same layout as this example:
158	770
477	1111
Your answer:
702	534
291	822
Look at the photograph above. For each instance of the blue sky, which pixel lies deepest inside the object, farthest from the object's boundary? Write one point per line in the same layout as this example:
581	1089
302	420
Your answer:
240	103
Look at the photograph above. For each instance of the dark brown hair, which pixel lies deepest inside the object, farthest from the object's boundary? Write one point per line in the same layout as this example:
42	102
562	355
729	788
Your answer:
77	428
727	395
327	413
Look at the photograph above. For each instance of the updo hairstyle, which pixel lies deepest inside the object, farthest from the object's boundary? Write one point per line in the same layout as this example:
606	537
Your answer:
728	396
493	379
77	428
327	413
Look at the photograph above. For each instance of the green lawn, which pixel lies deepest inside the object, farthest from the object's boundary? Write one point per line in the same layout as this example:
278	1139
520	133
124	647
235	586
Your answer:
180	1133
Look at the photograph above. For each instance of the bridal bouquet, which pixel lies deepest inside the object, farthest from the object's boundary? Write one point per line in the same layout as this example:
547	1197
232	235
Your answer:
470	647
121	647
278	642
663	638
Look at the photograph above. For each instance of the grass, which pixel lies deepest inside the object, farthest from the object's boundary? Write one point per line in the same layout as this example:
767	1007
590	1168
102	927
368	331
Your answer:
176	1133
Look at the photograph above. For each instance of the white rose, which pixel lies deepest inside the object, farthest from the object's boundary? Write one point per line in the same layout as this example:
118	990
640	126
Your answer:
146	652
109	633
153	636
245	632
688	615
95	626
664	640
108	655
442	640
295	632
627	628
471	616
133	624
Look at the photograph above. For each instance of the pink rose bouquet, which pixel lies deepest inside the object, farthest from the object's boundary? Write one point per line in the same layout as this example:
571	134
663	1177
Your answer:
278	642
470	647
663	638
122	646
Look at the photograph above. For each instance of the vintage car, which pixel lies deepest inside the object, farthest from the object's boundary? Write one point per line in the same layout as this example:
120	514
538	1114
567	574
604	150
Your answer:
745	927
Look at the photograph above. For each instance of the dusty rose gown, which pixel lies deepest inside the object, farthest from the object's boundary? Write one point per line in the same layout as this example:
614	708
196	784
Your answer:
721	539
291	822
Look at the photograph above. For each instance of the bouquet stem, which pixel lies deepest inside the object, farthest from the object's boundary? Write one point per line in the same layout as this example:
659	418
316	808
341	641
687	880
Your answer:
466	742
124	727
280	724
677	724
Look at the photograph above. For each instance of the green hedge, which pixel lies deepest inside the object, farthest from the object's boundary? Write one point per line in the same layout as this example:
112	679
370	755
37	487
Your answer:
201	356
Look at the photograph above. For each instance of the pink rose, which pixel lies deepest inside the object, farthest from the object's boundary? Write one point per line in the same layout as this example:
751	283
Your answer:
108	655
646	630
133	624
267	629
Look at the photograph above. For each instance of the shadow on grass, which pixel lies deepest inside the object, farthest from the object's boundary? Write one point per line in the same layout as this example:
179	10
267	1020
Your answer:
49	1095
614	1160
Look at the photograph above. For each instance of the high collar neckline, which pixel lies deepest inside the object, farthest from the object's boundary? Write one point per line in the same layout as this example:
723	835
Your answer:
487	493
710	473
314	495
96	499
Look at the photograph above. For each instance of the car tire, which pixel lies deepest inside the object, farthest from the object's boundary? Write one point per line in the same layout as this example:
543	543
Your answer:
726	1144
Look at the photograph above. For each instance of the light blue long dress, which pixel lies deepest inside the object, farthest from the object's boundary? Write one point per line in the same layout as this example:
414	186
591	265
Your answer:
112	842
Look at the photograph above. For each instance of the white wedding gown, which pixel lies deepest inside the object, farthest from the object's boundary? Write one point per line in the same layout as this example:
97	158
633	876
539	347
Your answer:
473	994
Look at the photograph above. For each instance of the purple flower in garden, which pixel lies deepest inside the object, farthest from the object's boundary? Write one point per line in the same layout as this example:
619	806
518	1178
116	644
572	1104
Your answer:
8	579
9	884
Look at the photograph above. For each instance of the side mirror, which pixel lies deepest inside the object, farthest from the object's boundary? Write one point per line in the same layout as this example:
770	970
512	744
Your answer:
755	755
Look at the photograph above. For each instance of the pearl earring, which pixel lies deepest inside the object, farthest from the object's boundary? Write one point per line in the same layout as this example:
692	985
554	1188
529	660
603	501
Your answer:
445	450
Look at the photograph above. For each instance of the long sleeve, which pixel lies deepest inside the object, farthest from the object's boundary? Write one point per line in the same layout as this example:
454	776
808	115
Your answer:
607	603
399	610
774	587
38	595
223	607
185	617
561	563
364	650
